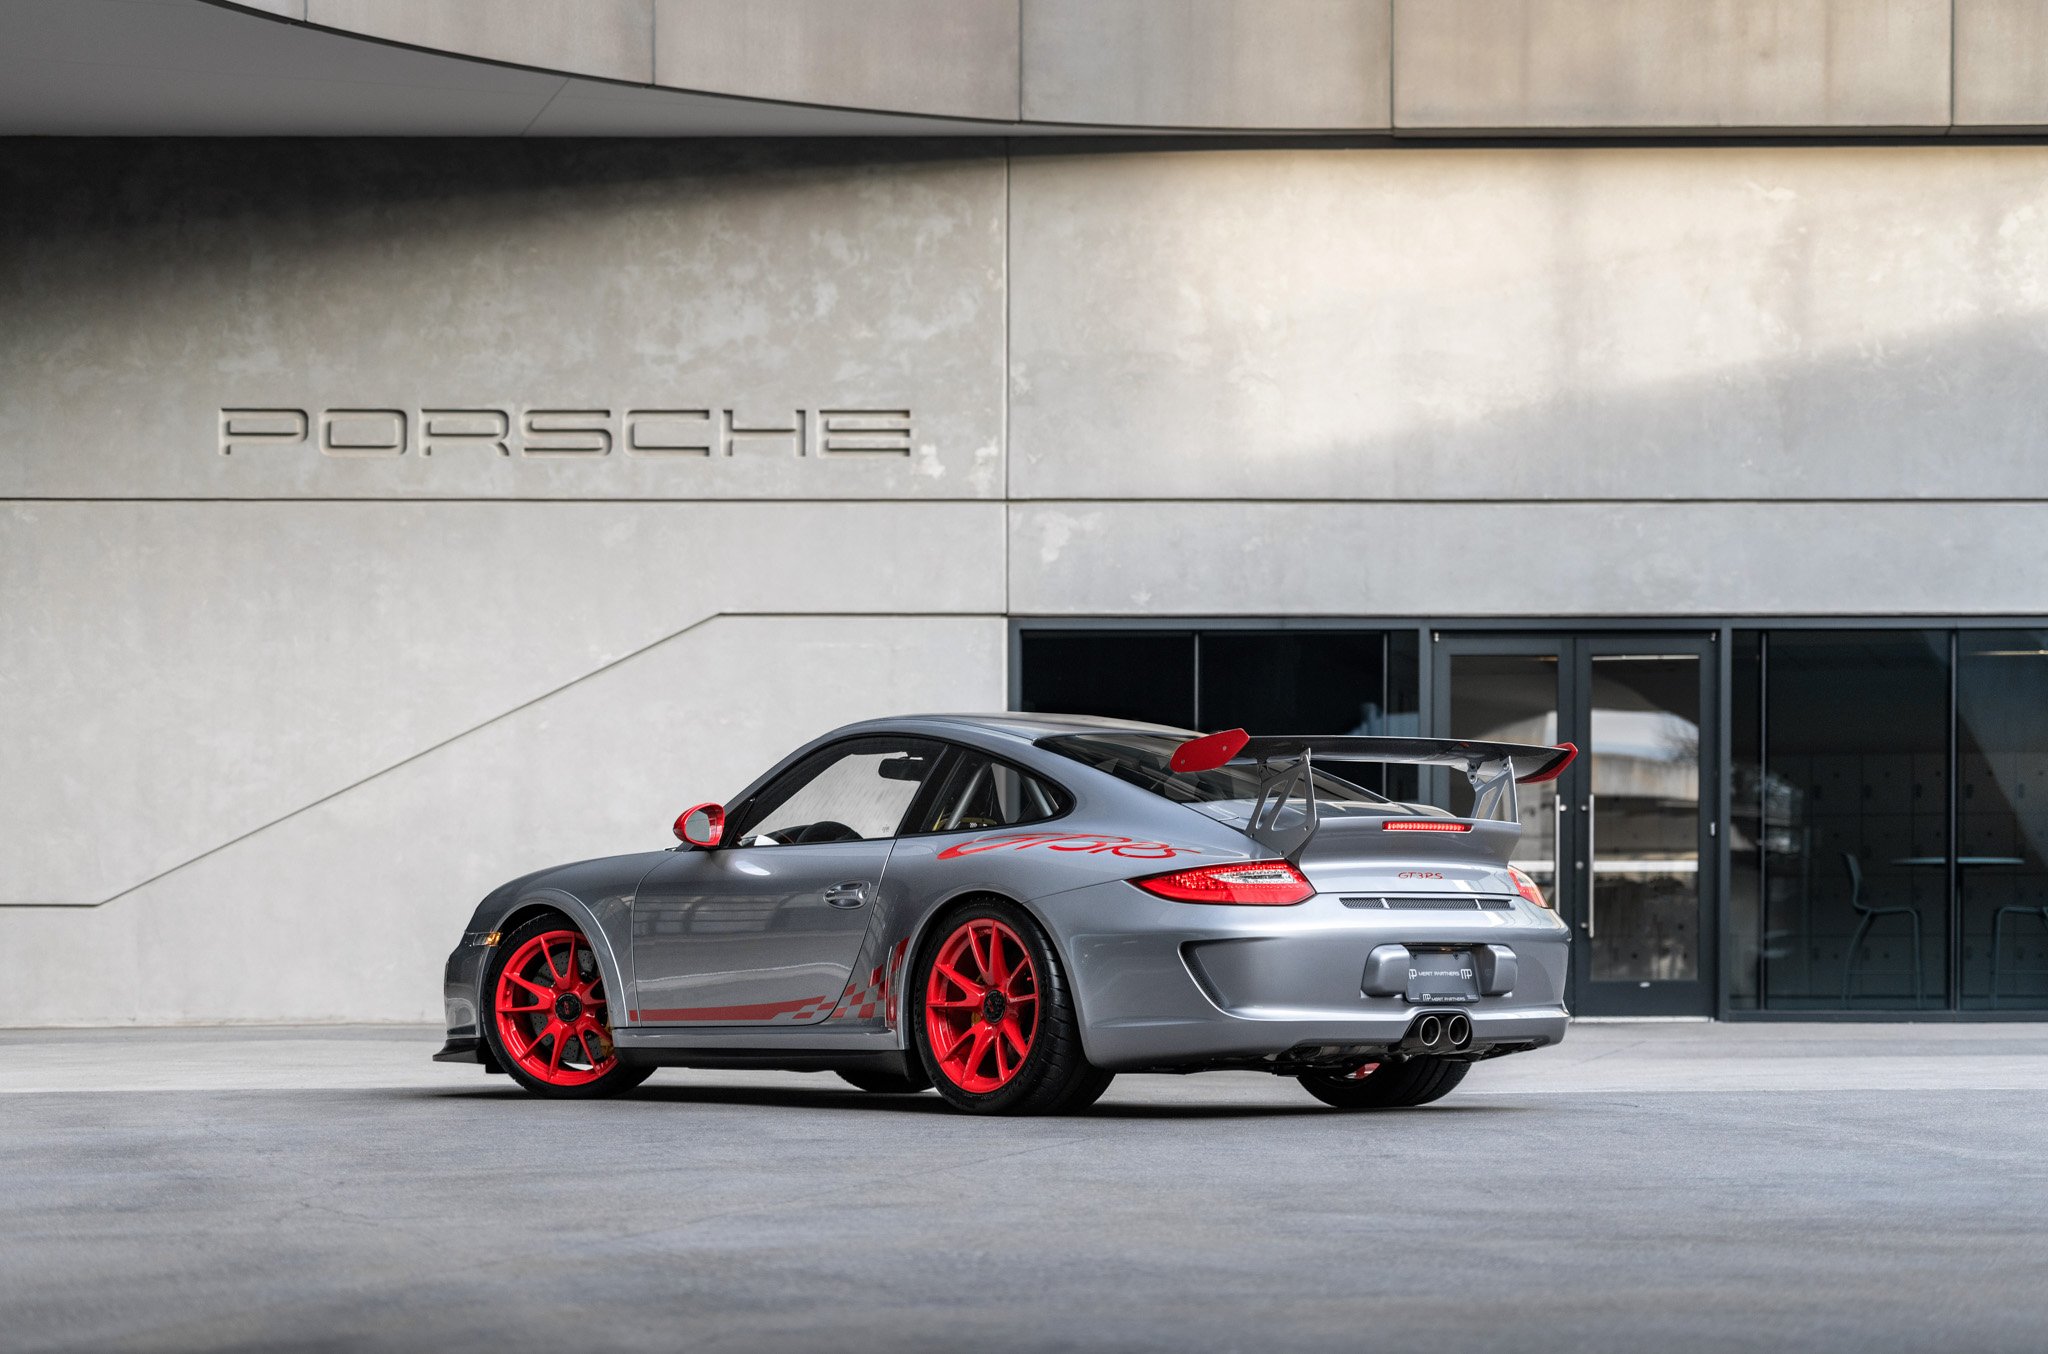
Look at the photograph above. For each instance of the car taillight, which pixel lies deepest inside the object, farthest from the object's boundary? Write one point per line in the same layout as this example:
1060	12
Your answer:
1258	883
1526	886
1423	825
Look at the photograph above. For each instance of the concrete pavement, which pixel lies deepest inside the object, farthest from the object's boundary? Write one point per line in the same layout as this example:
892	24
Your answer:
1733	1187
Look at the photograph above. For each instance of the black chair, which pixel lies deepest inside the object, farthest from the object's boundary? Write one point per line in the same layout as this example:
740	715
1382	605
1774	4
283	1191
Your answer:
1998	940
1870	915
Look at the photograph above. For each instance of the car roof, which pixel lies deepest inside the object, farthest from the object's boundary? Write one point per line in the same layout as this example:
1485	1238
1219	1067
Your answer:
1025	728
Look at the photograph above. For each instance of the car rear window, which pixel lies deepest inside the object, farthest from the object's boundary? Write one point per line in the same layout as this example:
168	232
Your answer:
1145	760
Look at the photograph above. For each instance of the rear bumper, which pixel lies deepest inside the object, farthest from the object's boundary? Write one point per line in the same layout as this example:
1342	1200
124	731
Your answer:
1163	985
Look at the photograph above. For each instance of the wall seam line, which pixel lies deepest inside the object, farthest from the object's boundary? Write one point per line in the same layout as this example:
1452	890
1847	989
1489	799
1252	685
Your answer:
1009	227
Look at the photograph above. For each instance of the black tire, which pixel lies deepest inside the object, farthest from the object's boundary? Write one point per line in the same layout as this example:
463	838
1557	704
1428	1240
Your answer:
1055	1077
1087	1089
1390	1086
619	1076
887	1083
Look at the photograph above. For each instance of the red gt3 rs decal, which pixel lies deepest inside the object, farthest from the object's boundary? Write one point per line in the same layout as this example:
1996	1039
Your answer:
1086	842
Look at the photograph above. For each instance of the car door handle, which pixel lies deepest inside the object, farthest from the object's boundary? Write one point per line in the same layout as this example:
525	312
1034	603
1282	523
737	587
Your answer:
850	894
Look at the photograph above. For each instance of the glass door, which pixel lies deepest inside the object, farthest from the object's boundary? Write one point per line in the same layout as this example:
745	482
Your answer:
1622	843
1644	833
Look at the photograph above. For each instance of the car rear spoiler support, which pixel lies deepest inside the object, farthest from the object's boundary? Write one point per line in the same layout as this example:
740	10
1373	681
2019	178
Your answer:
1285	763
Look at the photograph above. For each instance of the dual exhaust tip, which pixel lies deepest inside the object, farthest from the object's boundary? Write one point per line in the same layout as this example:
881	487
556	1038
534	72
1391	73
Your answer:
1433	1033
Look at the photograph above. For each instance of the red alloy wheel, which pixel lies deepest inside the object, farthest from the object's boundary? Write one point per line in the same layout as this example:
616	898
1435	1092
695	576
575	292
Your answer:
981	1006
551	1015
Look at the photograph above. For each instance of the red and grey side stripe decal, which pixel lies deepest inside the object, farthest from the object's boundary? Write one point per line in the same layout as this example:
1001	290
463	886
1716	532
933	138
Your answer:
800	1011
877	997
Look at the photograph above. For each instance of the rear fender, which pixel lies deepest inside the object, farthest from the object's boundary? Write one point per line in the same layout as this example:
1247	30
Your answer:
932	920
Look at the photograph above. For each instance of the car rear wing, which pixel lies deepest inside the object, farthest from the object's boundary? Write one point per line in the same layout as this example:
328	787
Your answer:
1285	763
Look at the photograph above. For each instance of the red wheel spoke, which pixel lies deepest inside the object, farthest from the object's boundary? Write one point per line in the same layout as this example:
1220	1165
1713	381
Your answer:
1002	1063
1014	1033
972	989
998	964
516	1042
544	993
956	1004
954	1040
1019	998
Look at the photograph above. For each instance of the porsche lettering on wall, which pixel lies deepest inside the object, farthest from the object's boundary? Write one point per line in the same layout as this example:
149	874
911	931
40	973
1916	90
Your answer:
701	432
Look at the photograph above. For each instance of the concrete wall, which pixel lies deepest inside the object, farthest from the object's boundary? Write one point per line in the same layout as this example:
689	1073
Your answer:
286	687
1310	64
957	58
1582	65
604	38
2001	64
1411	67
283	691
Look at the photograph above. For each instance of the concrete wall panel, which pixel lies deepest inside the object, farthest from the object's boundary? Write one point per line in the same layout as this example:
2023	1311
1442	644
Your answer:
612	39
1620	322
177	675
1644	64
1208	63
732	319
347	911
2001	63
1541	560
954	58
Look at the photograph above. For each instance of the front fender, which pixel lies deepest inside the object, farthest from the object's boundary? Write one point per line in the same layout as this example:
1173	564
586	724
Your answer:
606	927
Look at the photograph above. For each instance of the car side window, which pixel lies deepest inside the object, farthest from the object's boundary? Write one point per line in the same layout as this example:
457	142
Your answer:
854	792
980	792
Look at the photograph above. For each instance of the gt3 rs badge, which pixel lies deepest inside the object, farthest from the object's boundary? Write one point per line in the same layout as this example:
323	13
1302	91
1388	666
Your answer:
1086	842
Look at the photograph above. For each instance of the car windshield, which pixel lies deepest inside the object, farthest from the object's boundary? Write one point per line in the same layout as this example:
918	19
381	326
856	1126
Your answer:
1145	760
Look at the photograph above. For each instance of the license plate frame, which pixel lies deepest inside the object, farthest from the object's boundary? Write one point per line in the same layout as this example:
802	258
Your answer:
1442	978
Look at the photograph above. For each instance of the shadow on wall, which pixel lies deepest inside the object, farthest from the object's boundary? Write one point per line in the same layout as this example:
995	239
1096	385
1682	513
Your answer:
103	193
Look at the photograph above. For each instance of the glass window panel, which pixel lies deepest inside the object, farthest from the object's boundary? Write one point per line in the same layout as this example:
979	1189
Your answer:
1297	681
983	793
1748	821
1403	716
1147	675
1855	838
857	791
2002	816
1645	759
1511	698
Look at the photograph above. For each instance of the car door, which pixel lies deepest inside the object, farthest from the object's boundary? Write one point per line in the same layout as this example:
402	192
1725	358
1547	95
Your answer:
976	795
766	930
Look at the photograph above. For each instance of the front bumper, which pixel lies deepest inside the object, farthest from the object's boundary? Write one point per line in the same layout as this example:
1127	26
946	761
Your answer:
461	993
1165	985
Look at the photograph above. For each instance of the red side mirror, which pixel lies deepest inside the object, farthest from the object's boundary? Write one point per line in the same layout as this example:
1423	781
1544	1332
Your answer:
701	825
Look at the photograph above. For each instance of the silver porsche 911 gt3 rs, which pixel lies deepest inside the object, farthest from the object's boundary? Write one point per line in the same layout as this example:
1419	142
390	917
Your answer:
1013	908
